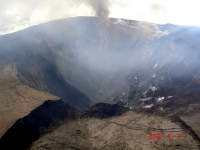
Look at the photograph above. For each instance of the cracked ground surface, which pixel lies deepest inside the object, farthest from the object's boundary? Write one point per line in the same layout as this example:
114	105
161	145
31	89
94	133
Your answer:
17	100
126	132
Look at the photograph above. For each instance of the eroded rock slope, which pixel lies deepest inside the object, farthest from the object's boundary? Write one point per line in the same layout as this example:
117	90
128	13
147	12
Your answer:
17	100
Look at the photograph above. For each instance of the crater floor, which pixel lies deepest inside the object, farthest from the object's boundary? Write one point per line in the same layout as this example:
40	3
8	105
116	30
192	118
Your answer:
129	131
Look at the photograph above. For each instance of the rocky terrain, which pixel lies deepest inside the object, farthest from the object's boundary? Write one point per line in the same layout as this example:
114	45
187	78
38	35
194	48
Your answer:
136	62
17	100
151	69
43	119
129	131
57	125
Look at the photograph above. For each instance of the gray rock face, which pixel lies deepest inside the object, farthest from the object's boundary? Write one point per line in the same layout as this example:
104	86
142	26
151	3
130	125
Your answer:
143	66
141	59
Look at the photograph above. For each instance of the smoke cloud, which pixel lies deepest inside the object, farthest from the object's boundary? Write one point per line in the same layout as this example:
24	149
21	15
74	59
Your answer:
17	15
101	8
102	12
150	30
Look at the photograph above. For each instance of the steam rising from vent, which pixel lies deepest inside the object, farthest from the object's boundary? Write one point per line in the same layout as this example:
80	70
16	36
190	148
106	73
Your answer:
151	30
101	11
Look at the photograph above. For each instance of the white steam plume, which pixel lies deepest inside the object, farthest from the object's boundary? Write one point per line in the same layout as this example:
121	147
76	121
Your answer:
102	12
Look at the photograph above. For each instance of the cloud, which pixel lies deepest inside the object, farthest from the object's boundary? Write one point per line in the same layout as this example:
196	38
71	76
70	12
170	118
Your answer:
158	11
21	14
15	15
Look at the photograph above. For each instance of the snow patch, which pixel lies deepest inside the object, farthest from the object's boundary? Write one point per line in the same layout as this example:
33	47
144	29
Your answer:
120	21
157	32
160	99
150	29
153	88
169	96
155	65
144	93
146	99
148	106
154	75
123	22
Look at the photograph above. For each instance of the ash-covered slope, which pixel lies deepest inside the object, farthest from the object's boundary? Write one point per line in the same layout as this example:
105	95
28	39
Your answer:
17	100
171	69
40	73
57	125
127	132
136	63
48	117
35	69
42	120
